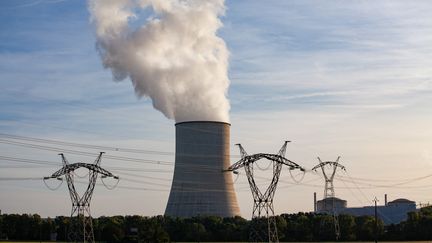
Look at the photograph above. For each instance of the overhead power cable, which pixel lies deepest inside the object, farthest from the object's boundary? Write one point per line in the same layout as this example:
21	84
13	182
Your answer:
20	178
358	179
91	146
341	178
80	145
116	168
28	161
358	188
112	157
44	163
61	150
351	191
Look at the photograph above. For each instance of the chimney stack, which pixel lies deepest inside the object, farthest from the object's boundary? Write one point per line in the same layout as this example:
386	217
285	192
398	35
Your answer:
315	202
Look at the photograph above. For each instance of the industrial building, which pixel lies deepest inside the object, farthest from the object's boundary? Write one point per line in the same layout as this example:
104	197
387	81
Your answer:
392	212
331	204
199	186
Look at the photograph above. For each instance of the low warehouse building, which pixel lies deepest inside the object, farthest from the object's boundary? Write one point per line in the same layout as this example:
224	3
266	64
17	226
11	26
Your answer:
392	212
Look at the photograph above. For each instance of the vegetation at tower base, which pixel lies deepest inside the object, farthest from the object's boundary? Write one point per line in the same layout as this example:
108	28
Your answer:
291	227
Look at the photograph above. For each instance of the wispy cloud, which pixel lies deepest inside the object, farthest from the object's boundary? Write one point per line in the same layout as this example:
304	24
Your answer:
34	3
350	55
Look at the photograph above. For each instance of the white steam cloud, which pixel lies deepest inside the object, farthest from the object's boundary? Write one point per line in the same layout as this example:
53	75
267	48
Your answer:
174	56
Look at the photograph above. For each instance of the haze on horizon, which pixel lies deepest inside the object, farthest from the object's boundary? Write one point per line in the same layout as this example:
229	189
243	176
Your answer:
345	78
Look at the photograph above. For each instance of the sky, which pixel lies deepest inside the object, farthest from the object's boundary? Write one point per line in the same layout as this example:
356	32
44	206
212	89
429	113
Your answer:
344	78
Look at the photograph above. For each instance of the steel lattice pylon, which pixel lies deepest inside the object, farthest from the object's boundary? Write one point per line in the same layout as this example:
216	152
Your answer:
329	192
81	225
263	202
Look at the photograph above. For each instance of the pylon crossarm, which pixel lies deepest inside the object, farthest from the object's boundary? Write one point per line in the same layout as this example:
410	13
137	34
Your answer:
68	168
104	172
332	163
250	159
58	173
292	165
237	165
92	167
282	160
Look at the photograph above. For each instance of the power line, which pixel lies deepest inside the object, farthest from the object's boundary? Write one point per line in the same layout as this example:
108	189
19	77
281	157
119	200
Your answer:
119	158
96	147
20	178
56	149
210	170
81	145
408	181
28	161
352	193
358	188
42	162
45	164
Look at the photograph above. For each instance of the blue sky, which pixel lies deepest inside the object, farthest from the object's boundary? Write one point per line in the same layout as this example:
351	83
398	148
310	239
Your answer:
340	78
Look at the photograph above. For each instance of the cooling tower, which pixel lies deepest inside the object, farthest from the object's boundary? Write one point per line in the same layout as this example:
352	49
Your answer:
199	186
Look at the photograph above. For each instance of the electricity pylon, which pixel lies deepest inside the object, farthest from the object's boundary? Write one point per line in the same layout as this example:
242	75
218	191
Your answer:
263	202
81	225
329	192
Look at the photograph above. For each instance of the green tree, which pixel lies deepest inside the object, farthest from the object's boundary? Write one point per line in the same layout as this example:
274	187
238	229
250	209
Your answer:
419	224
365	228
326	228
47	227
112	229
152	230
347	227
196	232
234	229
62	226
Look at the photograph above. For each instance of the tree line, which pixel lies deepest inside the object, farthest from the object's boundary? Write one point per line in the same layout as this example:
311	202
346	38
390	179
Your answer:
291	227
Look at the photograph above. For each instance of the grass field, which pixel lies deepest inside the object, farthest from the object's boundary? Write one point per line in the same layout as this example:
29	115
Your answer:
237	242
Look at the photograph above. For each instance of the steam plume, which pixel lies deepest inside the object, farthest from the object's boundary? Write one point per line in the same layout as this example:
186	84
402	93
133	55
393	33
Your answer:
174	57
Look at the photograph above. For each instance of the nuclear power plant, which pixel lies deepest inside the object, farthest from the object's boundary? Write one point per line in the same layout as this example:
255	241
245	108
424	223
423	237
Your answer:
199	186
392	212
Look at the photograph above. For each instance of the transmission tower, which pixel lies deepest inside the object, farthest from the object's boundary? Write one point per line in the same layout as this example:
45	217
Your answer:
263	202
81	225
329	192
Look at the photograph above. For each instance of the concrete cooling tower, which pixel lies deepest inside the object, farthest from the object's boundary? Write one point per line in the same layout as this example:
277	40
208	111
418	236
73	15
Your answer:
199	186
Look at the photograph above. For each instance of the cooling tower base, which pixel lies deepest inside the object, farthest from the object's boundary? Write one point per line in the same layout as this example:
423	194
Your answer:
199	186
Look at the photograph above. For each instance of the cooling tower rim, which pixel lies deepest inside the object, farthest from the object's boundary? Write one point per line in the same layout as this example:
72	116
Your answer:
200	122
